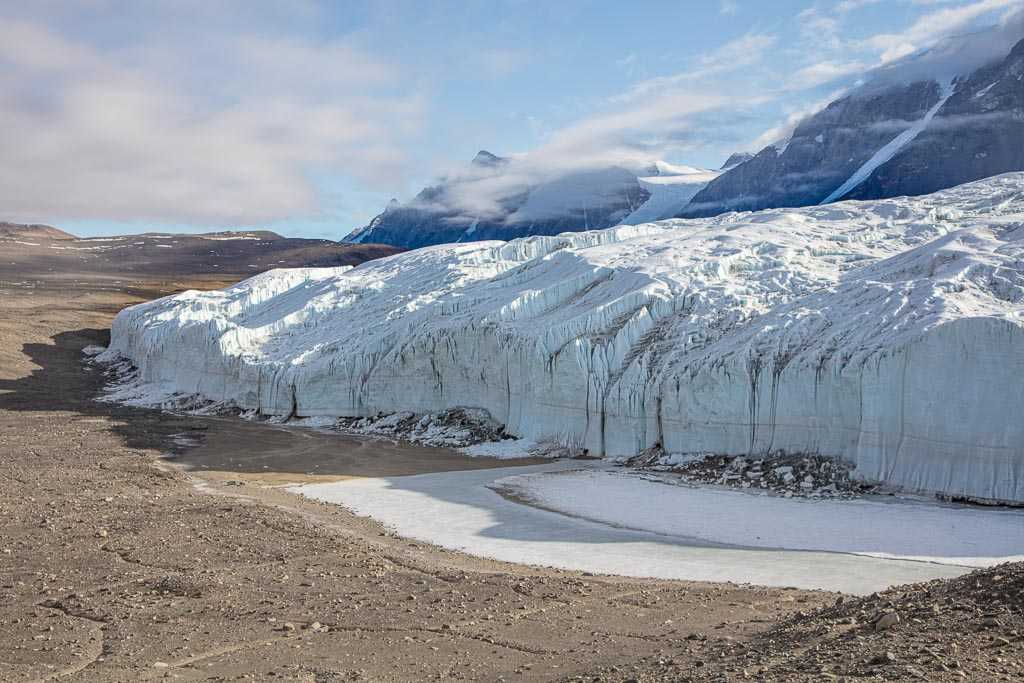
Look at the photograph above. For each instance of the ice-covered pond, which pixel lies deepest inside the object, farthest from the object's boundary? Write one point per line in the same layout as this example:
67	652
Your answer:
597	519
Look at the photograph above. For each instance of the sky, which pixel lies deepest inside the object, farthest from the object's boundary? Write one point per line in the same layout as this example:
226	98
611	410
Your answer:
306	117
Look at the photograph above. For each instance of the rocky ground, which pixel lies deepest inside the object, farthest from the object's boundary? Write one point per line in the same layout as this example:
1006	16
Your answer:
117	565
965	629
789	475
452	428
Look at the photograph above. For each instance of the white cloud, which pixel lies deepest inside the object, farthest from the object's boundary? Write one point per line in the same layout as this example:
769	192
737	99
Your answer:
851	5
822	73
818	31
728	7
205	128
932	27
736	54
630	137
742	51
785	129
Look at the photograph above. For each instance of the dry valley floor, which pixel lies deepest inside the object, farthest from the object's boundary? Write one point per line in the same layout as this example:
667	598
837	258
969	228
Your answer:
117	564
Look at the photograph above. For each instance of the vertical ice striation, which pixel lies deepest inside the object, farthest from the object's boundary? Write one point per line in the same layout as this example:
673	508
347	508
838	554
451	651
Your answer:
888	333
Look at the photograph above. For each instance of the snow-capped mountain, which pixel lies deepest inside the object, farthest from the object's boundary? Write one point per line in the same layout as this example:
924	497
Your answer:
942	117
978	132
497	199
930	122
889	333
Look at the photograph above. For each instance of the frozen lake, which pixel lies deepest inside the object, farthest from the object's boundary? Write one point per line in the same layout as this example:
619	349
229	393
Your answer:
592	518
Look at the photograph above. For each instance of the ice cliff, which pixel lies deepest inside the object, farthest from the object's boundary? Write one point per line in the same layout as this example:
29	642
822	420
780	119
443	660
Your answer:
888	333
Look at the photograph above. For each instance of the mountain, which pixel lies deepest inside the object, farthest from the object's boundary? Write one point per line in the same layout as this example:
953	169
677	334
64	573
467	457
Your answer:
930	122
485	159
887	333
935	119
496	198
978	132
736	159
32	231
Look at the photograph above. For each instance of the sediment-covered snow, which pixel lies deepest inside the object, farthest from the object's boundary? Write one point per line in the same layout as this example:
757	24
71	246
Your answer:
455	428
888	333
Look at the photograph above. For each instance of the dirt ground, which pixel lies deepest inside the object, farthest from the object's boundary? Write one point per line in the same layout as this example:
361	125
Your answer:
119	565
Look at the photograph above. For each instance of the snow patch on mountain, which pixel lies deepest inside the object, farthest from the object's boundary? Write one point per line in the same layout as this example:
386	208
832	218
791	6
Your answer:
886	153
888	333
670	191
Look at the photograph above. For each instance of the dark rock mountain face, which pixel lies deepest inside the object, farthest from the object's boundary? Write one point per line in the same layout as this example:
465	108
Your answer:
976	133
737	159
485	159
445	212
432	217
823	152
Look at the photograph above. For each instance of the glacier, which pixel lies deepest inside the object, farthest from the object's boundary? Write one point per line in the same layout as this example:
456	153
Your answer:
887	333
669	191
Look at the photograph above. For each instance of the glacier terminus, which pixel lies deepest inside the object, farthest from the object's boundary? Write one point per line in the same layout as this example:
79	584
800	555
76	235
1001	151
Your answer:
887	333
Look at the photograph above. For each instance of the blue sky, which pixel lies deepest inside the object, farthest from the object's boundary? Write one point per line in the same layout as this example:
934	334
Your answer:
306	117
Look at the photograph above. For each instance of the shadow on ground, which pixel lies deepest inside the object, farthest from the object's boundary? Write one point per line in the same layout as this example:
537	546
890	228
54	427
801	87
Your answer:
63	382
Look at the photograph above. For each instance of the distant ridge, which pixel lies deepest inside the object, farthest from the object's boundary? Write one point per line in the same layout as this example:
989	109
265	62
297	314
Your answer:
736	159
32	250
33	230
466	208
